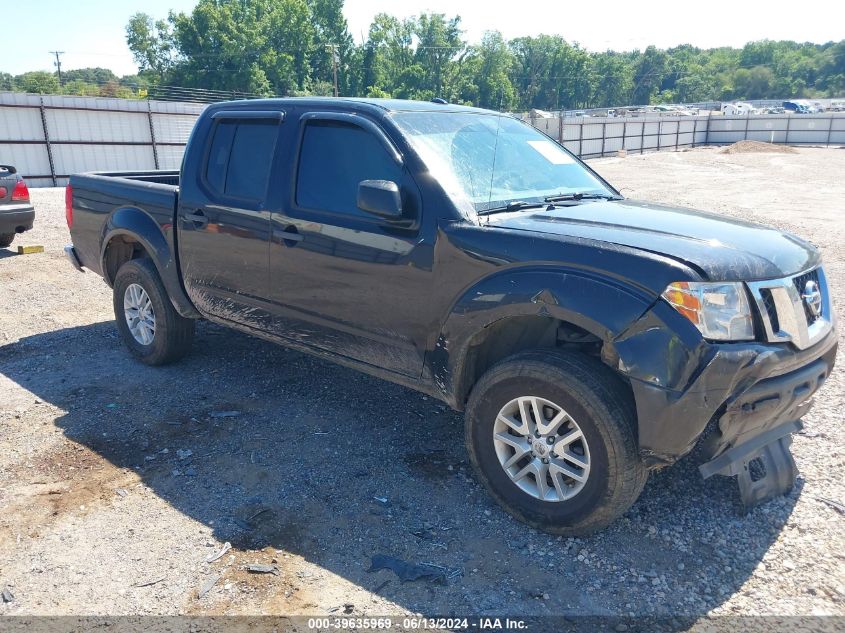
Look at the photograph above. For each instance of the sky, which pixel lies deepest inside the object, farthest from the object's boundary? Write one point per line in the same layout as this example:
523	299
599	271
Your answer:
91	32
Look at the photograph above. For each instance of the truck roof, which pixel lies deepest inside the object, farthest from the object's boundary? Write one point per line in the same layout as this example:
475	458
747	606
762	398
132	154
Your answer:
361	103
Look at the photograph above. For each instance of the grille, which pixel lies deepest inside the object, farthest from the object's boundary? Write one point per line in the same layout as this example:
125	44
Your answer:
784	314
771	309
800	282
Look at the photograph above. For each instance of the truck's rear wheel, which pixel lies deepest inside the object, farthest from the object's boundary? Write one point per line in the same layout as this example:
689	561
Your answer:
551	436
150	326
6	239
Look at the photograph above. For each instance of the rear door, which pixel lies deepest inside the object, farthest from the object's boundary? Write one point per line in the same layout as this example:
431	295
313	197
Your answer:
224	228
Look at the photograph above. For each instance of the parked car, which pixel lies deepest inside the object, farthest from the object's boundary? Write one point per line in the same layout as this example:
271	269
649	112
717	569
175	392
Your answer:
796	107
837	106
16	212
739	108
589	339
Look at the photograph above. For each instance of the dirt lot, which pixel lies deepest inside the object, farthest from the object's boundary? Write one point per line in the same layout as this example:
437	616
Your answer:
117	481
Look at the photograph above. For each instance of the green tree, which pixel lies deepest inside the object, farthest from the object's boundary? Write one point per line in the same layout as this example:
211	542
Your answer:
37	82
114	89
254	46
753	83
81	88
832	76
759	53
649	72
387	53
612	79
287	47
151	43
331	37
492	75
89	75
439	44
548	72
136	82
532	64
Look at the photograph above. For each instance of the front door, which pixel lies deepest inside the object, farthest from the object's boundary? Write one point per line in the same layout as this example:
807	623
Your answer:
343	280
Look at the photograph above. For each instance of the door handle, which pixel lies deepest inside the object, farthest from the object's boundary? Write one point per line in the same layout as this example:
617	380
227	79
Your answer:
198	218
290	236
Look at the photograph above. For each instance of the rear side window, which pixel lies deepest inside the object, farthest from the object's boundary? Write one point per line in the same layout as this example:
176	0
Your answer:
240	158
335	157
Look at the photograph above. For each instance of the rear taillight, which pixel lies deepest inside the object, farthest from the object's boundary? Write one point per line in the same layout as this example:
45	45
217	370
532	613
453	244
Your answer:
69	206
20	192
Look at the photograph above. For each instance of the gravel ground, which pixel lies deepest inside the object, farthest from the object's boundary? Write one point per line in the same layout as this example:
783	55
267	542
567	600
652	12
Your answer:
119	481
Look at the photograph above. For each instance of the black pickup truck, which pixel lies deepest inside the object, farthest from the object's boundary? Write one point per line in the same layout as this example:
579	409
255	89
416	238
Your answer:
588	338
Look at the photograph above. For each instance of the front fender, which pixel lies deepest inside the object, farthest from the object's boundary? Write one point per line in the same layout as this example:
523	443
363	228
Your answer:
600	305
139	226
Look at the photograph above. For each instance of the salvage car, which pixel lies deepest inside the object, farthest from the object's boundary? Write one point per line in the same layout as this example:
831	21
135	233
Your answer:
16	213
588	338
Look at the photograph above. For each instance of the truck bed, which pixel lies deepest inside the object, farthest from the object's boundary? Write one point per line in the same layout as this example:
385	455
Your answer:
160	176
97	196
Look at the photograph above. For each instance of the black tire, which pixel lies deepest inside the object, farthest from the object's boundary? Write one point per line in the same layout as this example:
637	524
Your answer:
173	332
603	408
6	239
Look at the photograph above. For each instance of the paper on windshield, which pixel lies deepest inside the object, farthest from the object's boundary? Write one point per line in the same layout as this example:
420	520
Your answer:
551	152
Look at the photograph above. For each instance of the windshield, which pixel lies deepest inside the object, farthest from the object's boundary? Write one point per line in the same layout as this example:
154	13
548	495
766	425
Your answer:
488	161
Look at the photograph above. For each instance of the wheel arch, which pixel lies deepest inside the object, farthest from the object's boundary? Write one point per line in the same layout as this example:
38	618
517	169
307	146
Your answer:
530	309
129	233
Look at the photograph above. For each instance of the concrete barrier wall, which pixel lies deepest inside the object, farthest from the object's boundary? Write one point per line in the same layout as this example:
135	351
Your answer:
50	137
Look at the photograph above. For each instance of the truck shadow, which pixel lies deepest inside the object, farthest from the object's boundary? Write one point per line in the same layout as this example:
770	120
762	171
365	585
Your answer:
276	449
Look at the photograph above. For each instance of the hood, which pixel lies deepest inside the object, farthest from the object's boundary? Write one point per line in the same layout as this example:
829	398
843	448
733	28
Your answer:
720	248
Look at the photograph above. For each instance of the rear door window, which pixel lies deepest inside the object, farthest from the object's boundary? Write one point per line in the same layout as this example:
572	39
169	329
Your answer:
240	158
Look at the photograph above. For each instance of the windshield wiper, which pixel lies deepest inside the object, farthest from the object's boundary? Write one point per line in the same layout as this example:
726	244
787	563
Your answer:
516	205
581	195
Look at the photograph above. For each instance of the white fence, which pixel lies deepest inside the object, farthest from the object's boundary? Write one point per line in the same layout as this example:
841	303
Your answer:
48	138
590	137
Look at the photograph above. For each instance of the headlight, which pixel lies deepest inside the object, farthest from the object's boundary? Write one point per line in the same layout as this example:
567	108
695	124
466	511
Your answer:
720	311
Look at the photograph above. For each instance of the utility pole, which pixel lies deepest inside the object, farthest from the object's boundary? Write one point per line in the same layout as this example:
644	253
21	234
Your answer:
58	64
333	48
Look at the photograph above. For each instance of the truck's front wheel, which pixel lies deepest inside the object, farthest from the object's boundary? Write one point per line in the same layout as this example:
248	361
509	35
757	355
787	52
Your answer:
150	326
551	436
6	239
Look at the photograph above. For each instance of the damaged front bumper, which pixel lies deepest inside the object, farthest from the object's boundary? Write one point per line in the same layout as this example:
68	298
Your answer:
739	401
763	465
752	436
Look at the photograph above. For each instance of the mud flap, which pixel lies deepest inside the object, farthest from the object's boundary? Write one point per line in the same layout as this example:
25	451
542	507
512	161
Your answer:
764	467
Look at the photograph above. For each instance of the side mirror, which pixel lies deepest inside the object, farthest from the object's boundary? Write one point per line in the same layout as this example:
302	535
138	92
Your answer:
381	198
